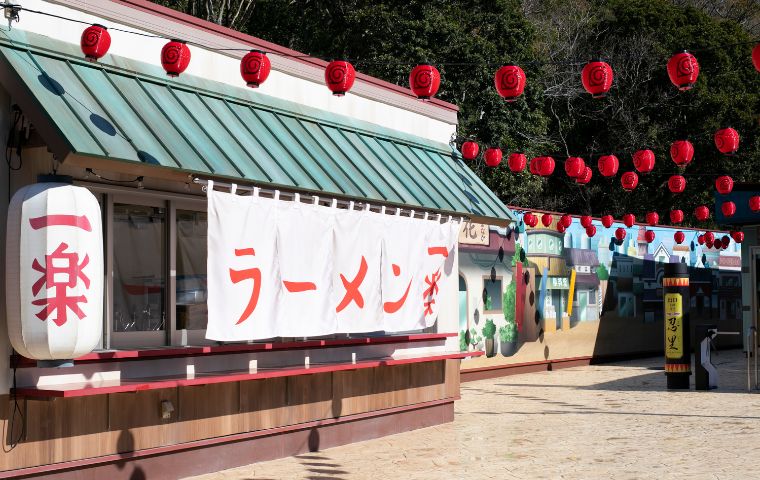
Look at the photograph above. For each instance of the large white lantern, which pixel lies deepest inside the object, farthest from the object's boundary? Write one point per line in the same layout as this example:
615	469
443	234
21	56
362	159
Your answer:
54	271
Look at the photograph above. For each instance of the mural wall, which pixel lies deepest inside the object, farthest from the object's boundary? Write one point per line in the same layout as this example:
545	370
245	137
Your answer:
532	294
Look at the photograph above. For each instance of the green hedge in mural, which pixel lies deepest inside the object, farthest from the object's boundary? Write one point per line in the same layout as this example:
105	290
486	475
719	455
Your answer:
508	302
489	329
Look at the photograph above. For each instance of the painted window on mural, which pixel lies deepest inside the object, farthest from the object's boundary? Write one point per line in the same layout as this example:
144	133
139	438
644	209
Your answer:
492	293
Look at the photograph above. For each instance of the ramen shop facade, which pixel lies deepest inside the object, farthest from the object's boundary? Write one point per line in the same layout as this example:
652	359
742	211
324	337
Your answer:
201	275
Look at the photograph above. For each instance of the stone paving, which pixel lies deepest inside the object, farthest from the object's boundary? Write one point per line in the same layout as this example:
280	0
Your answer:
613	421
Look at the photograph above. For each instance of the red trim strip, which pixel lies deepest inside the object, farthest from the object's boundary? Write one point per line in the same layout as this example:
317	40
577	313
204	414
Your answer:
136	384
79	221
149	452
150	354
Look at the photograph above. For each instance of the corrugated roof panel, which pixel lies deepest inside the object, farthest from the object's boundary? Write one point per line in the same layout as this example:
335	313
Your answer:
127	112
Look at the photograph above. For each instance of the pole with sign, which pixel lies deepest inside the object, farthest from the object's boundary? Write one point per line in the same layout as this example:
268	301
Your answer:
677	338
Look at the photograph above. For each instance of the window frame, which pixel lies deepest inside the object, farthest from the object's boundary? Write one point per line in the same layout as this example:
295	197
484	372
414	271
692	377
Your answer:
500	279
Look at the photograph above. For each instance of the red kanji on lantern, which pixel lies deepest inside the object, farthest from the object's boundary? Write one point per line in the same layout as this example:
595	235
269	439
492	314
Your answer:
629	181
681	152
590	231
728	209
95	42
737	236
492	157
620	234
727	140
544	166
683	70
575	167
597	78
62	270
586	220
643	161
566	220
339	77
724	184
175	57
585	177
546	219
424	80
470	150
676	216
679	237
530	219
652	218
676	183
702	213
649	236
607	221
510	82
629	219
255	68
608	165
516	162
754	203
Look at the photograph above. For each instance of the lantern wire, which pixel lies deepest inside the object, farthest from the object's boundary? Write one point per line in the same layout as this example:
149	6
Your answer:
15	412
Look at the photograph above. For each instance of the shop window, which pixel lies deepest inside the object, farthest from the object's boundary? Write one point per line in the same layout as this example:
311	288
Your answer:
492	292
191	253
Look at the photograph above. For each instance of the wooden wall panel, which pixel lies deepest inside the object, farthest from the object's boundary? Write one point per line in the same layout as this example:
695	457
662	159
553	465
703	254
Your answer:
452	378
135	420
207	411
263	403
352	392
309	397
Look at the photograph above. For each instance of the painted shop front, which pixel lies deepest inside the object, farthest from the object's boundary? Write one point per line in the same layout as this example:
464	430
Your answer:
201	275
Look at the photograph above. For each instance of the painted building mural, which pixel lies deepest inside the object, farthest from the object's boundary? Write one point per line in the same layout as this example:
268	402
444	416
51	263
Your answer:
532	293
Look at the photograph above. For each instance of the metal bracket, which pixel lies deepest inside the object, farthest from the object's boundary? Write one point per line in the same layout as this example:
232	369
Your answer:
11	12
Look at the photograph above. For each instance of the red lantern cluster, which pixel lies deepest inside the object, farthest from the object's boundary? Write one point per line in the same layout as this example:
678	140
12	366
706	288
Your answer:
597	78
649	236
510	82
575	167
517	162
339	77
546	219
754	203
683	70
586	221
726	241
702	213
727	141
652	218
607	221
724	184
590	231
492	157
585	177
676	216
681	152
676	184
542	166
530	219
255	68
175	57
620	234
95	42
629	219
629	181
679	237
728	209
608	165
424	80
470	150
643	161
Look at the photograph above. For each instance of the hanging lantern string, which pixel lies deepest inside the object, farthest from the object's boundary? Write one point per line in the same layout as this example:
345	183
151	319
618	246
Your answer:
568	62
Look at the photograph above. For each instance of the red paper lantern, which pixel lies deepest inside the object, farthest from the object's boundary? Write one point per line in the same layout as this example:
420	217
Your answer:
339	77
727	140
95	42
756	57
532	167
754	203
643	161
679	237
681	152
175	57
597	78
575	167
470	150
544	166
629	181
585	177
649	236
709	237
702	213
424	80
629	219
516	162
652	218
728	209
737	236
620	234
701	239
561	228
546	219
530	220
255	67
586	221
676	184
510	82
493	157
708	244
590	231
607	221
566	220
608	165
676	216
724	184
683	70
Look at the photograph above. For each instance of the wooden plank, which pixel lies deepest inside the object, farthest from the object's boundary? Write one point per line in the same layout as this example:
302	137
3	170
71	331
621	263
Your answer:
136	420
309	398
208	411
263	403
352	391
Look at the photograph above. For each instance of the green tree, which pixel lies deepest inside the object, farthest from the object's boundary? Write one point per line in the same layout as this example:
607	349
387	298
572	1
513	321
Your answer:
509	306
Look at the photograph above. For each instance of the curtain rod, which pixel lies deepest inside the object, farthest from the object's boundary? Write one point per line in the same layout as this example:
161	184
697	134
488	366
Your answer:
327	199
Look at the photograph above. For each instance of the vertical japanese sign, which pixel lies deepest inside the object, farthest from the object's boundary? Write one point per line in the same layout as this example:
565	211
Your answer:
673	326
291	269
675	285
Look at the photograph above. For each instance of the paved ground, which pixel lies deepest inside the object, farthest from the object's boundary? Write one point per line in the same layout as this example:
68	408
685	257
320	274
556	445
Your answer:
611	421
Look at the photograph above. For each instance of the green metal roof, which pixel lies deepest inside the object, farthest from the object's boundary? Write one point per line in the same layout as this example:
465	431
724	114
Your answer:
125	110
